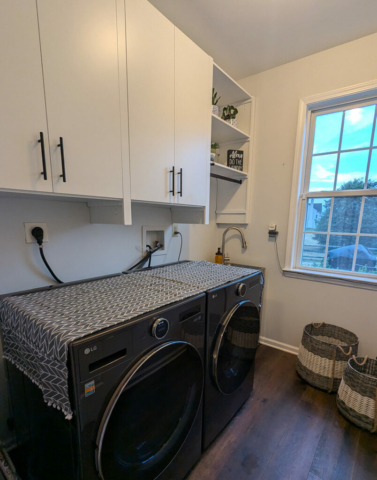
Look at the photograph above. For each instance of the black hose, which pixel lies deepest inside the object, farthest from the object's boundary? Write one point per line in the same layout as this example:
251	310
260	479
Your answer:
147	258
47	265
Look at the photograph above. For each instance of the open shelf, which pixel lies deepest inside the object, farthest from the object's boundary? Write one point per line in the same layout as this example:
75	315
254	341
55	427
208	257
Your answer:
227	88
224	132
226	173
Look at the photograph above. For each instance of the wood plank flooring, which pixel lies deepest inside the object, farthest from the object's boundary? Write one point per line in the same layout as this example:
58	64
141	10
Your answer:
288	430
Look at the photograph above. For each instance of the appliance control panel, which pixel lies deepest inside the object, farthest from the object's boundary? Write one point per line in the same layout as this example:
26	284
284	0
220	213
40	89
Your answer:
241	290
160	328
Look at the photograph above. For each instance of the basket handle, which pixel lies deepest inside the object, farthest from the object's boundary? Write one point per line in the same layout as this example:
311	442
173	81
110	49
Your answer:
362	363
318	325
333	363
344	353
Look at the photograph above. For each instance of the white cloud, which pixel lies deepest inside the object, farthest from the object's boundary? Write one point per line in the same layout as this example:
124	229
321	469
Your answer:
347	177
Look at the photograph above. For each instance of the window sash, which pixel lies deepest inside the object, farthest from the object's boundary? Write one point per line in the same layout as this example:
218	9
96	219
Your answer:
306	195
310	155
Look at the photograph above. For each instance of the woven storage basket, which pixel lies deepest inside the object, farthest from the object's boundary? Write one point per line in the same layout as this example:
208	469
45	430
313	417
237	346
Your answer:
323	355
357	394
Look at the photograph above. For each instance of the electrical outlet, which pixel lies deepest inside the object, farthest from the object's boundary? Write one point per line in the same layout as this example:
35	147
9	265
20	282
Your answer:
272	231
29	227
175	229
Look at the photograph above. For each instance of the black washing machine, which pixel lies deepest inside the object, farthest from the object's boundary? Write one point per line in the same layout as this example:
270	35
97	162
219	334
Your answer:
233	325
136	392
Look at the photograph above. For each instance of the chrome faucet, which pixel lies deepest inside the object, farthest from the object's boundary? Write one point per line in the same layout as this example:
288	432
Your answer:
226	260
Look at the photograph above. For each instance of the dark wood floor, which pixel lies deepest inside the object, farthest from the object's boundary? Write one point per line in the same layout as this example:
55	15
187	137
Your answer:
287	430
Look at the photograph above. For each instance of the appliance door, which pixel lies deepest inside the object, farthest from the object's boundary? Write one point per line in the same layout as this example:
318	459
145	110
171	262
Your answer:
235	347
151	413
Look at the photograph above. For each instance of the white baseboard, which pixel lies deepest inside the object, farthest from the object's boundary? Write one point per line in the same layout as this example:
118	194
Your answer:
279	345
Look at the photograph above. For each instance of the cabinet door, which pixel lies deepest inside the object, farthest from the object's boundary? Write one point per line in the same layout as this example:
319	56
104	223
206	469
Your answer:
80	65
23	112
193	101
150	64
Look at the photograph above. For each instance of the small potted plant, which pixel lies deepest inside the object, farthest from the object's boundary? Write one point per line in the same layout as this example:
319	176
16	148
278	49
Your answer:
229	115
214	147
215	99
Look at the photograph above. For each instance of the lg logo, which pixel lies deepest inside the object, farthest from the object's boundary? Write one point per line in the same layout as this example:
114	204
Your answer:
90	349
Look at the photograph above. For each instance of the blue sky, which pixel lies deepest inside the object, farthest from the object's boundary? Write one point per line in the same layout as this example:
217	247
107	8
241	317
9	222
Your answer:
357	132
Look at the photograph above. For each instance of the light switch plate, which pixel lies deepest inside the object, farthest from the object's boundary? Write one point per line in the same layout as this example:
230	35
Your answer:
29	227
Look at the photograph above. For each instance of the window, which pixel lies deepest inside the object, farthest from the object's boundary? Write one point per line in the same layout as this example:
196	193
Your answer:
335	219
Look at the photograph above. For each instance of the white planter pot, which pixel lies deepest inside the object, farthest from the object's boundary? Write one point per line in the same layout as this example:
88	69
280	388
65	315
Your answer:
215	110
233	121
213	157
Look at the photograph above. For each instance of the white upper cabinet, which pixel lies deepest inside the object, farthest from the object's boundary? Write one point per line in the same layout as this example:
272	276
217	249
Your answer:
150	66
193	105
79	44
169	92
22	104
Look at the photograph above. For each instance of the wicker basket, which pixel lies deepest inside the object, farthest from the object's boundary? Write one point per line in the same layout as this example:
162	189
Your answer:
323	355
357	394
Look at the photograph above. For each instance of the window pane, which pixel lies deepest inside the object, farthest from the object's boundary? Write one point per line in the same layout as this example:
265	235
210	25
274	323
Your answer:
366	260
357	130
375	136
317	214
345	215
369	221
322	172
327	132
372	177
313	250
352	170
340	252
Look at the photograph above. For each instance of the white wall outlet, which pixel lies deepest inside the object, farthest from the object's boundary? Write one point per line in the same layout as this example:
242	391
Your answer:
29	227
175	229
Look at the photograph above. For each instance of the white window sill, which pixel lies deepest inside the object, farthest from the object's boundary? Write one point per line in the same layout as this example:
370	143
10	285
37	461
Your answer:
323	277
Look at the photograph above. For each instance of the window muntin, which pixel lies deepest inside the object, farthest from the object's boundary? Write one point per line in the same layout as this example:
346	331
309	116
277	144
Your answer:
339	227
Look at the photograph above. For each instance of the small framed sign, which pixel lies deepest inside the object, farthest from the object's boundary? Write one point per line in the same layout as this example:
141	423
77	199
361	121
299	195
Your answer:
235	159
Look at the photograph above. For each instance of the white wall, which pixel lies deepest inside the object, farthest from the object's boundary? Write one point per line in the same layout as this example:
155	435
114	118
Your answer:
289	304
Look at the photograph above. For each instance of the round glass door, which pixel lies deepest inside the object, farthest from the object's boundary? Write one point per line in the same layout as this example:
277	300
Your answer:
235	347
150	413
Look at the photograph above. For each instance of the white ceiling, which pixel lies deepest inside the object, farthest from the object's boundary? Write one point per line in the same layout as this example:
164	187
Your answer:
249	36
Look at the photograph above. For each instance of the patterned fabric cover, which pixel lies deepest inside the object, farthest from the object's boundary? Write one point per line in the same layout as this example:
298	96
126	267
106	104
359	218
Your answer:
38	327
203	275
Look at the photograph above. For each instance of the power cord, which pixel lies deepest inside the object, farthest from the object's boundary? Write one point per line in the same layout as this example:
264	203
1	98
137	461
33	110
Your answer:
277	256
180	250
37	233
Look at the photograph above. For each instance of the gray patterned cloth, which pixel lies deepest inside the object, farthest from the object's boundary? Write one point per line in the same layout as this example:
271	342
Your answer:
38	327
203	275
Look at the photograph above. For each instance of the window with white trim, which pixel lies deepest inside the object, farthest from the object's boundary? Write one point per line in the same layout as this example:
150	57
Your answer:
337	219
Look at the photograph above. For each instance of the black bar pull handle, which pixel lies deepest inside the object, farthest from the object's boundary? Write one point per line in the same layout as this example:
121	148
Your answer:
61	145
173	179
42	142
181	178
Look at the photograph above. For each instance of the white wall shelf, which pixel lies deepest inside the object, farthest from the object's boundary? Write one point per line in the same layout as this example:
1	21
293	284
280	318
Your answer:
226	173
233	186
224	132
227	88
